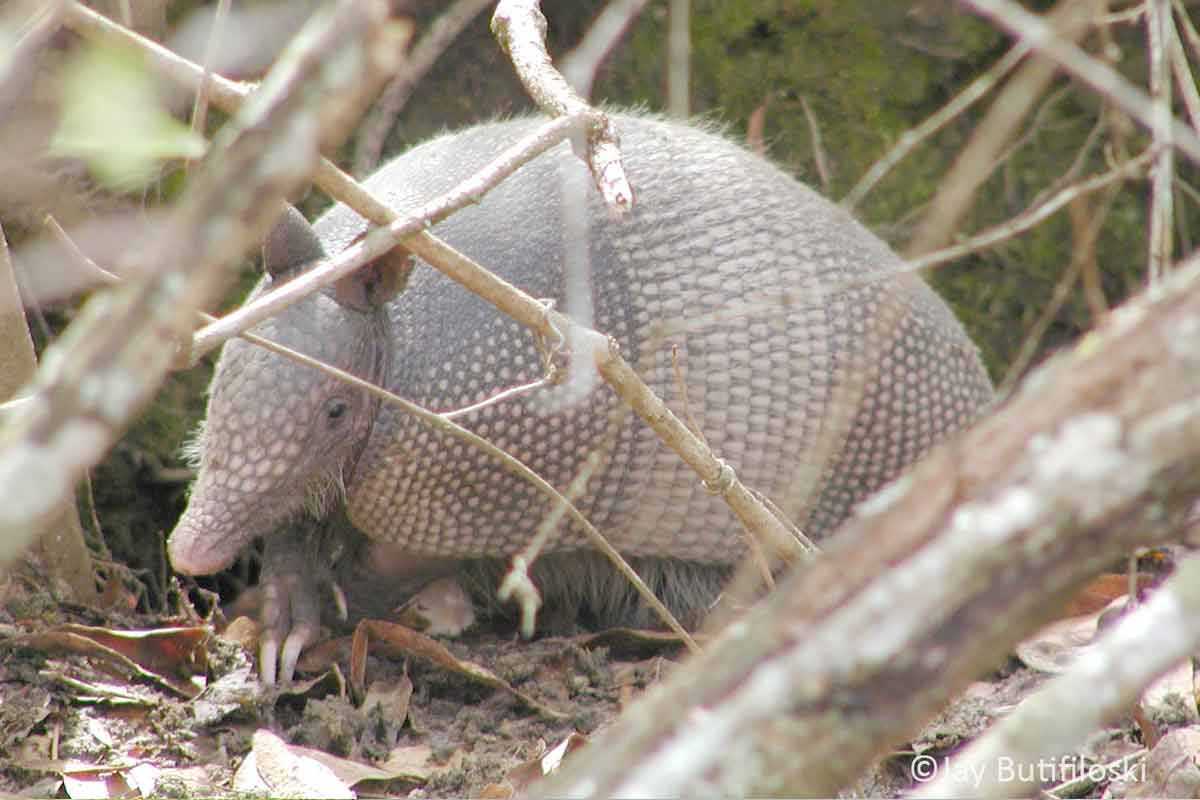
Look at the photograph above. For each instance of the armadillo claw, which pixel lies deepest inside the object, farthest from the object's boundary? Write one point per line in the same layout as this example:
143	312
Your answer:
268	655
292	618
292	647
291	612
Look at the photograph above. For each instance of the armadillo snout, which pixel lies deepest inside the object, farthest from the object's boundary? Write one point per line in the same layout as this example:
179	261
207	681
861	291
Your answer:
193	551
279	437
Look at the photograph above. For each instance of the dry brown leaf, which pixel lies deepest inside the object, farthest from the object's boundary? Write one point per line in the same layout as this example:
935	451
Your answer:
496	791
329	682
97	781
411	762
387	704
1099	593
273	767
171	657
167	651
322	656
523	775
243	631
1056	646
405	641
96	785
1171	769
1173	696
347	770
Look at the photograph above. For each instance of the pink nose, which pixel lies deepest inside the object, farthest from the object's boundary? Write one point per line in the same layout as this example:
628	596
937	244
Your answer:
195	549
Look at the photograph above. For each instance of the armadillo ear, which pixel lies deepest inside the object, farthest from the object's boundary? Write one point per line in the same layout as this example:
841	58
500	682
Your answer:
290	244
372	285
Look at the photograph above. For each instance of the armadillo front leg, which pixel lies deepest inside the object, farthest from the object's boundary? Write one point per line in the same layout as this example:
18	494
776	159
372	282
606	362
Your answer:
292	583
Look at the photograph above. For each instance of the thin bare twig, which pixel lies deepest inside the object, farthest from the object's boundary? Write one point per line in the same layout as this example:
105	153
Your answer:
1093	73
398	230
1159	42
1184	78
911	139
441	34
500	397
1079	163
814	135
679	58
1093	286
517	583
1036	126
520	29
1031	217
34	34
581	64
1126	17
1192	192
200	107
1083	250
1189	30
976	162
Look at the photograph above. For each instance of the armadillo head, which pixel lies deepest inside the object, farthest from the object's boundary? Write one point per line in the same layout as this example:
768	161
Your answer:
281	438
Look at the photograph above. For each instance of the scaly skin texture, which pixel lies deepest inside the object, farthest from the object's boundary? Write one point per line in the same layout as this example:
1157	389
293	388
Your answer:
809	364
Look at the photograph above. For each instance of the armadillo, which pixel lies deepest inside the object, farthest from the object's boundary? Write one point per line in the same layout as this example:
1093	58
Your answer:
805	355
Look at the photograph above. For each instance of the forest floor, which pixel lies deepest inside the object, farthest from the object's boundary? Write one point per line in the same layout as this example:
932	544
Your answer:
101	704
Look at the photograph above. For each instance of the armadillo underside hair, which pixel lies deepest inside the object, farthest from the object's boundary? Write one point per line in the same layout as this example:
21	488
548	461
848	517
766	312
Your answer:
325	492
193	446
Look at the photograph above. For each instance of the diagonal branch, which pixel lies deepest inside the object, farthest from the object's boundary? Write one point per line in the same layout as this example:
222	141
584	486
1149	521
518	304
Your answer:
1106	81
1071	19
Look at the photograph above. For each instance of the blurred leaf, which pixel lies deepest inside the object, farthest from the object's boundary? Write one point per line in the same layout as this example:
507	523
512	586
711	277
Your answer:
113	118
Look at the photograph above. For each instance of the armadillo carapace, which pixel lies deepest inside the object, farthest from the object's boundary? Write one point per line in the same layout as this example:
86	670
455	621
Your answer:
826	371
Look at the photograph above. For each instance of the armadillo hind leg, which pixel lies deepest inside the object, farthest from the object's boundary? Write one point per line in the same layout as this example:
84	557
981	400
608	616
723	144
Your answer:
582	590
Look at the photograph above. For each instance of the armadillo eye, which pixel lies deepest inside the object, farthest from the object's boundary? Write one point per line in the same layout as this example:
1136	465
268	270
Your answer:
335	409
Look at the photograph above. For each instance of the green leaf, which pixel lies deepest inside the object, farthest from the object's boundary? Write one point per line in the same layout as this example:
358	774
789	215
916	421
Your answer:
114	119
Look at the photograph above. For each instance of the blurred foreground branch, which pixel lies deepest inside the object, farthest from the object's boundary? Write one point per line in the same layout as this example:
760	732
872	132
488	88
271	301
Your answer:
111	360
